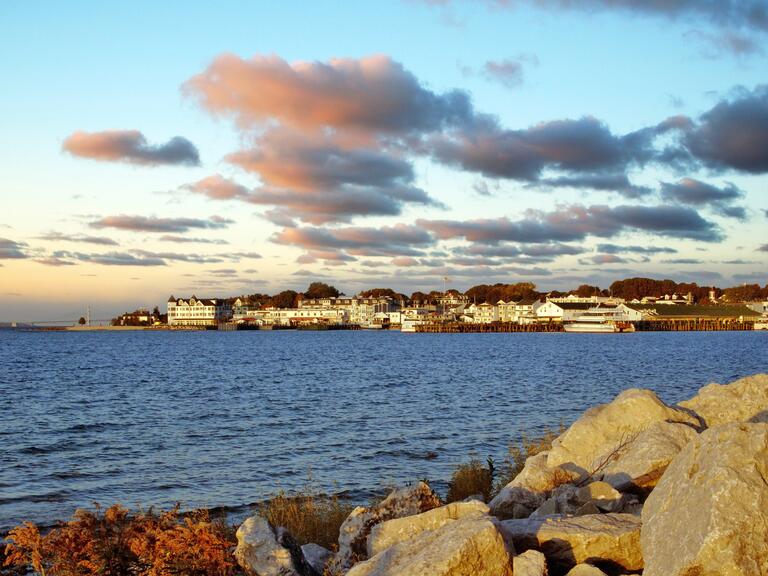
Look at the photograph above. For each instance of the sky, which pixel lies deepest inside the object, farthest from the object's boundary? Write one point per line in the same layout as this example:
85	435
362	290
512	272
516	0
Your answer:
229	148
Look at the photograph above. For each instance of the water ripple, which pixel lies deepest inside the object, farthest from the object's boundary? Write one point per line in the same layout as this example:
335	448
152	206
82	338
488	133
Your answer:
224	419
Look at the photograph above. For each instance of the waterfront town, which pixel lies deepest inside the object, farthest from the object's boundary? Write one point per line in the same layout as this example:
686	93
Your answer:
322	307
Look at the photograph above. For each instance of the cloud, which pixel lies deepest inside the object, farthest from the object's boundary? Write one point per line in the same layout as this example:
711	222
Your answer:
683	261
404	261
12	250
733	134
576	222
749	14
188	240
617	249
131	146
585	146
318	181
368	95
763	248
178	257
603	259
53	261
509	73
81	238
397	240
155	224
618	183
694	192
727	43
110	258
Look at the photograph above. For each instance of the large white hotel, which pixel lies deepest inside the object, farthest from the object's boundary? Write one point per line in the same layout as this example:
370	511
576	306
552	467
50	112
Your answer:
196	311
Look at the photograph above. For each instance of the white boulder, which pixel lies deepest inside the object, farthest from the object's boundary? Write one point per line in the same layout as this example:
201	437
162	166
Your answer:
391	532
470	546
707	515
608	427
642	461
613	539
744	400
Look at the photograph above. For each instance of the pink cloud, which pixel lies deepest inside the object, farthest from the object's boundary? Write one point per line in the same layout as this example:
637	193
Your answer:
130	146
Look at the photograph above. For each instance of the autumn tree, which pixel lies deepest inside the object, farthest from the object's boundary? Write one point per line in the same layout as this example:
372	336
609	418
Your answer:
284	299
320	290
745	293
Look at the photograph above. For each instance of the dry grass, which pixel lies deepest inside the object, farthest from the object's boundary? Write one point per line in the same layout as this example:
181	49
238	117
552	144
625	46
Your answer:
471	478
308	516
519	453
114	542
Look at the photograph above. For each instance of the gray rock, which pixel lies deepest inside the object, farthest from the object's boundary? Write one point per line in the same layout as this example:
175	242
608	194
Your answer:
613	539
707	515
316	556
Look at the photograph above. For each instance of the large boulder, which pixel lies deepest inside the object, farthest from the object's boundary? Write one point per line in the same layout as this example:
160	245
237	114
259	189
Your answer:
354	531
641	462
707	515
470	546
391	532
529	563
611	540
265	551
531	487
744	400
606	428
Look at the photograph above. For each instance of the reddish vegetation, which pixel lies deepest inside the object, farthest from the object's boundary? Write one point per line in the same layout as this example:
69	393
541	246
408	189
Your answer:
114	542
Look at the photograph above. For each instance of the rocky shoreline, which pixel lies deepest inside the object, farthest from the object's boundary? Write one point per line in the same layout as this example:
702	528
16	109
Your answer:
634	486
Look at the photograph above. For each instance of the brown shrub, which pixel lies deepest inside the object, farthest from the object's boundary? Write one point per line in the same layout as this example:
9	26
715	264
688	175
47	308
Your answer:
469	479
114	542
308	516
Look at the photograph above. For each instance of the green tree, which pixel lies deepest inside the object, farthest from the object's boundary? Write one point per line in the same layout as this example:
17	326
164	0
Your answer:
81	321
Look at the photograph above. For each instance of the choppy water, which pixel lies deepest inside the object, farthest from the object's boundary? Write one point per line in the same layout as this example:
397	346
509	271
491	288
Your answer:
223	419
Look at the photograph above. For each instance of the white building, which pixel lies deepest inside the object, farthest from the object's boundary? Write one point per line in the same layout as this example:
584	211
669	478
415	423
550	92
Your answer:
196	311
362	311
486	313
507	311
525	310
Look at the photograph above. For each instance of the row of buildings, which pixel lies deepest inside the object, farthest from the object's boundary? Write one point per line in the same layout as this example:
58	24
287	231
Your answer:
386	312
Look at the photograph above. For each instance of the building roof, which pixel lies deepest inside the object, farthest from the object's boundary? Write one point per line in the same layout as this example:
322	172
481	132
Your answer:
203	301
695	310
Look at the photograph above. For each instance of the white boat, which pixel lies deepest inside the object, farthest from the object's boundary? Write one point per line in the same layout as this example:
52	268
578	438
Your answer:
761	325
599	321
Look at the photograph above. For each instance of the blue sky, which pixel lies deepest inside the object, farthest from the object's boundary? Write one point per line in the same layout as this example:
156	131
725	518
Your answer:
92	93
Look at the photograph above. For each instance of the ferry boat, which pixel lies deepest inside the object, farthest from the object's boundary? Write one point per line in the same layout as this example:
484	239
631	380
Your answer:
599	321
761	325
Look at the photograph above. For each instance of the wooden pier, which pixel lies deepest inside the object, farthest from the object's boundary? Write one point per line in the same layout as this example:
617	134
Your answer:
694	325
494	327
